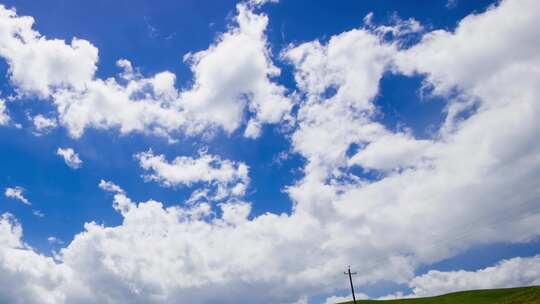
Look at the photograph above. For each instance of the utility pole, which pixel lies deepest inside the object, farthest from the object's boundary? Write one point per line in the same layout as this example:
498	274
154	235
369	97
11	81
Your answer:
350	280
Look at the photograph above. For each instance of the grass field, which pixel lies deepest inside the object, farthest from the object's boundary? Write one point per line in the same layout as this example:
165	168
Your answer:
521	295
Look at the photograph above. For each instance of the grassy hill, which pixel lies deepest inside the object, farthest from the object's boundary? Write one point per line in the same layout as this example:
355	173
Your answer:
521	295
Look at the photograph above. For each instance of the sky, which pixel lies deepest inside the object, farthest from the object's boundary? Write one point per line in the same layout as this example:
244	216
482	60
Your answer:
239	152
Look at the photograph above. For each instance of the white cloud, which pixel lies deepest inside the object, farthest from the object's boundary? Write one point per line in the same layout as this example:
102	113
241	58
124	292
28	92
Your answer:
513	272
235	213
70	157
469	165
230	178
16	193
505	71
4	117
61	65
186	170
43	124
221	91
390	151
188	255
108	104
466	169
475	182
110	187
180	264
121	202
353	77
398	28
27	277
219	98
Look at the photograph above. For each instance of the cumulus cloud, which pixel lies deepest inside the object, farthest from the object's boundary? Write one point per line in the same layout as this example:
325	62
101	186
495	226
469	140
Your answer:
27	276
230	178
475	182
70	157
61	65
505	72
121	202
191	251
16	193
110	187
219	98
337	81
390	151
221	92
43	124
464	166
397	28
513	272
181	263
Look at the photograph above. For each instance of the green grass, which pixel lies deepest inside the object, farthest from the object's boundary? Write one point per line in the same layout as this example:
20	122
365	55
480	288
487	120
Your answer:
521	295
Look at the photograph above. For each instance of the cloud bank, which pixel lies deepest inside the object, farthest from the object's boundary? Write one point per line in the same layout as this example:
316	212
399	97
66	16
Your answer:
475	182
223	96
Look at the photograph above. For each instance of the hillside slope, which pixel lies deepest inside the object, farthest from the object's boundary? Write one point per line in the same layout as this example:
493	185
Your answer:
521	295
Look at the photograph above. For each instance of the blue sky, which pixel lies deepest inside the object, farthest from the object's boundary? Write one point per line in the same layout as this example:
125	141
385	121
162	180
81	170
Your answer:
401	107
